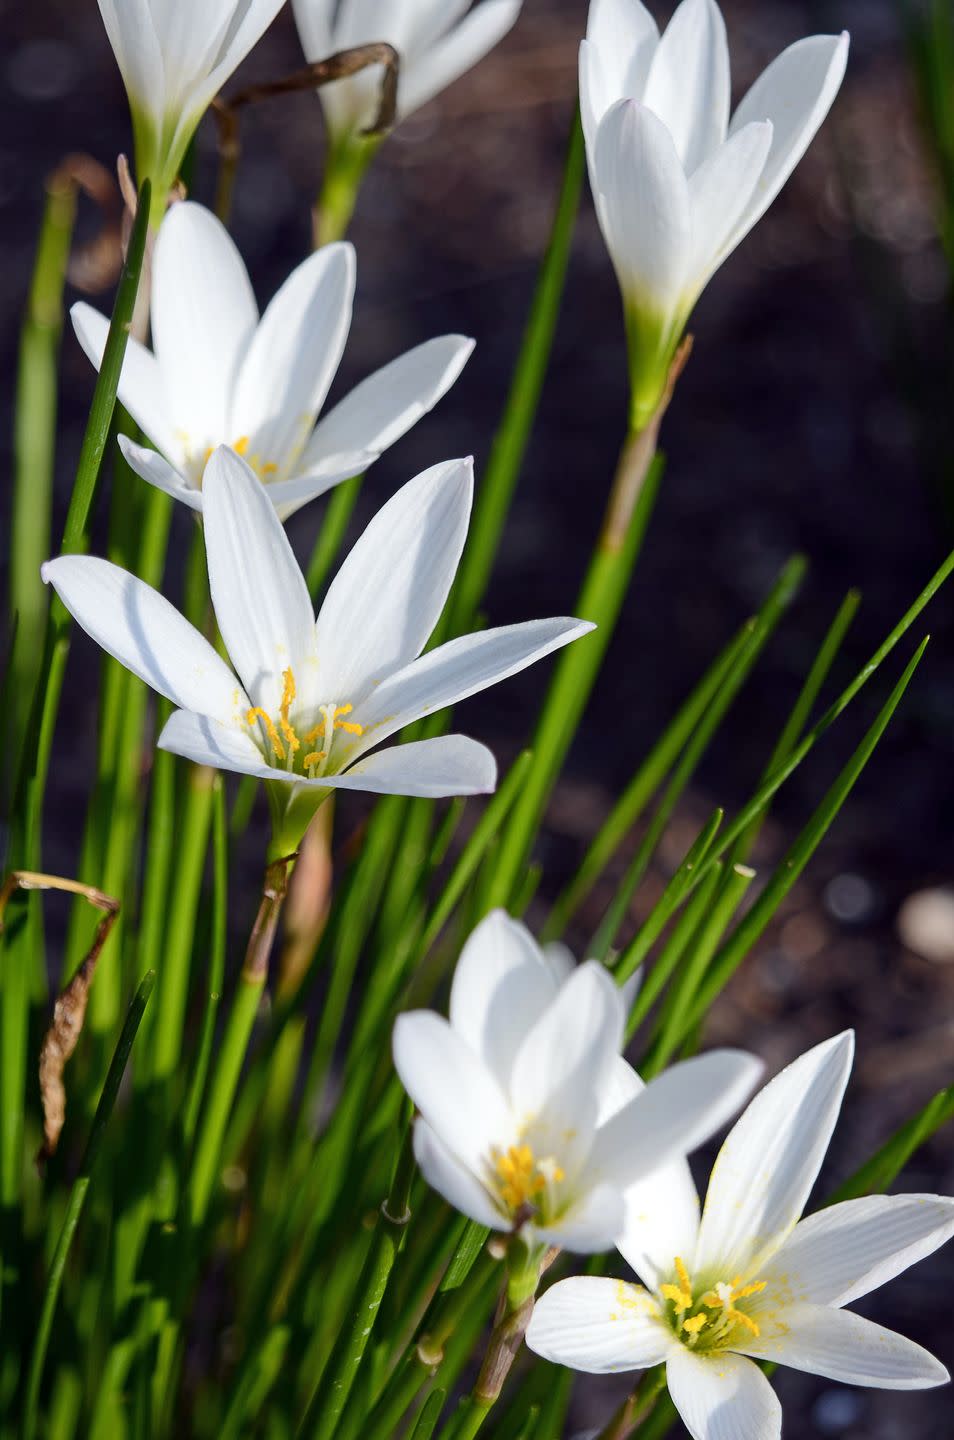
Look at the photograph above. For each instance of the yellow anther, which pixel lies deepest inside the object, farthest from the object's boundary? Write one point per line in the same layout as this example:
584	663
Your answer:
520	1177
315	758
741	1318
695	1324
683	1274
711	1299
349	725
269	468
343	710
755	1288
257	713
288	697
313	734
241	445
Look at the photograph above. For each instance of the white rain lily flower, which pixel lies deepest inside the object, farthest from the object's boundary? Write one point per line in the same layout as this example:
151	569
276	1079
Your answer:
751	1280
676	182
530	1120
219	375
175	56
437	41
309	700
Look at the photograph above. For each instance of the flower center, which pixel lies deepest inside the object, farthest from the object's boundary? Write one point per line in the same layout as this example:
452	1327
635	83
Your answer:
711	1320
520	1177
306	754
264	469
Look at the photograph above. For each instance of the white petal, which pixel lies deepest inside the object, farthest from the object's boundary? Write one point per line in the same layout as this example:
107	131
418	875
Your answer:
675	1113
598	1325
842	1253
458	1185
688	85
560	1067
624	36
288	496
260	597
293	358
723	1397
452	1088
386	599
461	668
314	20
385	406
588	1226
796	92
643	203
560	961
141	387
843	1346
250	23
446	765
203	317
151	466
132	35
457	52
501	985
141	630
719	194
210	742
769	1162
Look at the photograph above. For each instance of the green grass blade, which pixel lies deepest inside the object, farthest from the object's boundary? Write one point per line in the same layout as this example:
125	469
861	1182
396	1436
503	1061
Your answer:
878	1173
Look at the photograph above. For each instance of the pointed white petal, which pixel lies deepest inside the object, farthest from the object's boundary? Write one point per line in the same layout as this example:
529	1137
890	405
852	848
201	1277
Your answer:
561	1066
560	961
260	597
688	85
386	405
458	1185
446	765
141	387
288	496
842	1253
719	194
456	53
624	37
132	35
661	1216
386	599
643	205
599	1326
843	1346
203	317
588	1226
501	986
675	1113
251	21
796	92
723	1397
210	742
452	1088
150	465
315	30
293	358
768	1164
141	630
461	668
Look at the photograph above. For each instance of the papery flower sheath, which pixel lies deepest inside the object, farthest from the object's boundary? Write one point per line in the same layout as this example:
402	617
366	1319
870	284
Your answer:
309	700
220	375
174	57
530	1120
676	182
751	1280
437	41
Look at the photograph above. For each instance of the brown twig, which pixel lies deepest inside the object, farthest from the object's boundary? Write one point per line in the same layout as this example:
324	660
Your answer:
69	1012
262	938
321	72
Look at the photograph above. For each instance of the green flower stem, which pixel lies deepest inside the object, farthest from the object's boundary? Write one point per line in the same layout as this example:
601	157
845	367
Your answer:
429	1414
214	982
235	1042
329	1400
637	1406
77	1201
193	839
348	159
499	480
332	533
600	600
34	441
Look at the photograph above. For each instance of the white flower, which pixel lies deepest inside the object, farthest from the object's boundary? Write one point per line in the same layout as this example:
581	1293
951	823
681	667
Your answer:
752	1279
437	41
175	56
219	375
310	699
677	184
529	1117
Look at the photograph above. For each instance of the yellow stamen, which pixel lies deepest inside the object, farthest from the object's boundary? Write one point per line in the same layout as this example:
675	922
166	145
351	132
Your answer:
741	1318
681	1298
522	1176
314	758
693	1326
288	697
683	1274
257	713
241	445
755	1288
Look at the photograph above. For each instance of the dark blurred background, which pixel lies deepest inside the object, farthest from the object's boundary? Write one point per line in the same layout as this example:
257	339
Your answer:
815	416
